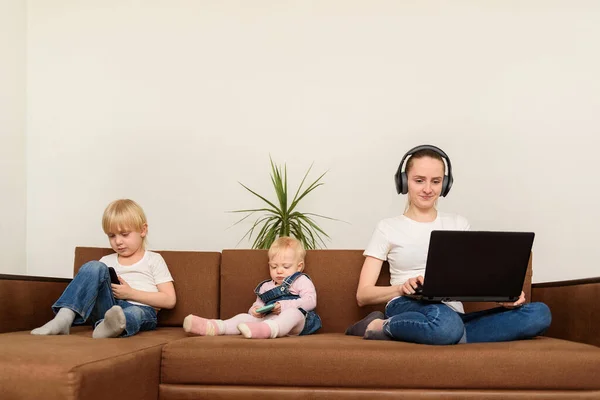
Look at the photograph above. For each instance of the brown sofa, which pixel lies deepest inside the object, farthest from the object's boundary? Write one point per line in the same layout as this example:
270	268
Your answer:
167	364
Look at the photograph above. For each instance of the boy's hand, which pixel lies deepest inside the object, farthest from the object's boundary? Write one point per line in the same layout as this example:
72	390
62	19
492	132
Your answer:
277	308
122	291
255	314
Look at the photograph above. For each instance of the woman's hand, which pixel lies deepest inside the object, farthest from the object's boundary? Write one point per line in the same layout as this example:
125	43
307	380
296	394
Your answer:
520	301
122	291
411	284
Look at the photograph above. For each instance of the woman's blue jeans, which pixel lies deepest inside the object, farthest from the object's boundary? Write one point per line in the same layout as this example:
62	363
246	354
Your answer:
410	320
89	295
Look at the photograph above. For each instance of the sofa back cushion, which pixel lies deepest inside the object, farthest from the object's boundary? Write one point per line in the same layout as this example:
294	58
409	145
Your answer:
196	279
335	274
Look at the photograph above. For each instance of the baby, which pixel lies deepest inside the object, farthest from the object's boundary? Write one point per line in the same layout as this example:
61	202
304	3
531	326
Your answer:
290	296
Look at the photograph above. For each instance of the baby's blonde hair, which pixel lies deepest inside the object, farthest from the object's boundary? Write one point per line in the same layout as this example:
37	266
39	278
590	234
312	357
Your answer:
285	242
123	213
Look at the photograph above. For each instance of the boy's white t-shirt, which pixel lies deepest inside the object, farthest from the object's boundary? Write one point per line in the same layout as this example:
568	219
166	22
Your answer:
404	243
144	275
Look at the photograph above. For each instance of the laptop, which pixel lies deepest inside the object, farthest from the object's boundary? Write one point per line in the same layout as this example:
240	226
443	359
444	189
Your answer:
476	266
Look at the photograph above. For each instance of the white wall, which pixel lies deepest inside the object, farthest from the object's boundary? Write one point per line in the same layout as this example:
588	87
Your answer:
173	102
12	136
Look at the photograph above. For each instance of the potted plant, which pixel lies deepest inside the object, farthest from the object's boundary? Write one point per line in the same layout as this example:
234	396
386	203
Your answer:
281	217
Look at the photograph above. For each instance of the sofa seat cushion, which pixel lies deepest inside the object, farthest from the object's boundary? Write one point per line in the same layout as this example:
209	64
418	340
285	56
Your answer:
336	360
77	366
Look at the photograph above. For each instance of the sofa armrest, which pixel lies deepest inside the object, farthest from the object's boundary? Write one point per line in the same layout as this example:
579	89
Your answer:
575	307
26	301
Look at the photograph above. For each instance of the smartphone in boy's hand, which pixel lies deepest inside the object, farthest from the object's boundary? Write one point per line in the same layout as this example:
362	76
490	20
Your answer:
113	276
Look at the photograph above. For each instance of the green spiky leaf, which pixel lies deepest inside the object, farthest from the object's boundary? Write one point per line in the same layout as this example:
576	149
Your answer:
278	218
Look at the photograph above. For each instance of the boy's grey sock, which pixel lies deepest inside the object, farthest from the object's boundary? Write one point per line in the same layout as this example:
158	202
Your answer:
359	328
59	325
112	325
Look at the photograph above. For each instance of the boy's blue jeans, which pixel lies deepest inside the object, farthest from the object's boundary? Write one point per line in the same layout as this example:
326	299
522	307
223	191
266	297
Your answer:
410	320
89	295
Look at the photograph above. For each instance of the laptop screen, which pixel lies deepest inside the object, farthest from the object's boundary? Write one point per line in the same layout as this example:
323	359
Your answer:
477	265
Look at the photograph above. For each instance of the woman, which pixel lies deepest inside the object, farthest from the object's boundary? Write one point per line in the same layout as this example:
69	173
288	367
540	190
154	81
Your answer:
403	241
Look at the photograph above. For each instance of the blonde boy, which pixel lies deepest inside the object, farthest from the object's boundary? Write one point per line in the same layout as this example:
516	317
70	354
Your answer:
116	309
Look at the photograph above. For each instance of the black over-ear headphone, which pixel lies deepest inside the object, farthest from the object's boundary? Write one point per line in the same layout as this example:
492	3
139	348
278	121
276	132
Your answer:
402	180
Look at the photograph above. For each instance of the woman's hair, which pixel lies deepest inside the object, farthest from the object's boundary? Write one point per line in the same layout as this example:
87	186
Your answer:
122	214
285	242
421	154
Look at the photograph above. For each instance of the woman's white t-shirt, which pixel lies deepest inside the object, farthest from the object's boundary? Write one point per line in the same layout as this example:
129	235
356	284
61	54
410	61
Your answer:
144	275
404	243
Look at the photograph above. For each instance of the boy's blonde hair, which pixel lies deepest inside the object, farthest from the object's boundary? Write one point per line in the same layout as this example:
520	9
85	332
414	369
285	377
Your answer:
285	242
123	213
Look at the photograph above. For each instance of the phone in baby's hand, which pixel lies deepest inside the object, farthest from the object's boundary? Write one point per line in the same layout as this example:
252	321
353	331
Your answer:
113	276
265	309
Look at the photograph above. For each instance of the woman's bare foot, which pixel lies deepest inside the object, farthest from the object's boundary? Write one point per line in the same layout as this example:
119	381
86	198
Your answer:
375	325
375	331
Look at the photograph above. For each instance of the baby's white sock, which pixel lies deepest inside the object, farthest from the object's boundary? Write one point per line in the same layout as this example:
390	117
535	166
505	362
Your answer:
259	330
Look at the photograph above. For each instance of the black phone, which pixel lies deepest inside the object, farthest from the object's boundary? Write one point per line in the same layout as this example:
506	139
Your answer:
113	276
